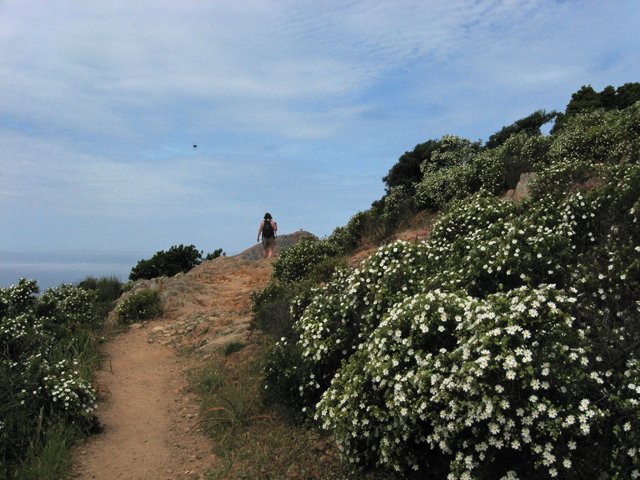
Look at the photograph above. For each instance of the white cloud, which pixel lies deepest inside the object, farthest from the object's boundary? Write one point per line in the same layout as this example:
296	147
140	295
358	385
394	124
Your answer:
101	101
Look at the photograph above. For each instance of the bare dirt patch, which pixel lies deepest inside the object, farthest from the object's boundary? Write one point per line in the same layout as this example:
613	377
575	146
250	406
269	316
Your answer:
147	416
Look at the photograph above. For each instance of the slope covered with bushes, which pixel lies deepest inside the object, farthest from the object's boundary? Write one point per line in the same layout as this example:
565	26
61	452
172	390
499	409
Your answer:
504	346
48	360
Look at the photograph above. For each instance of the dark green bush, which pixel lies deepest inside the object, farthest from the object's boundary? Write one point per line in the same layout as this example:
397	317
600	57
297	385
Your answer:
232	347
215	254
178	259
108	290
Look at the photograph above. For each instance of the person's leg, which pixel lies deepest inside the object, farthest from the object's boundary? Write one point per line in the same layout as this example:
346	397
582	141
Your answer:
268	245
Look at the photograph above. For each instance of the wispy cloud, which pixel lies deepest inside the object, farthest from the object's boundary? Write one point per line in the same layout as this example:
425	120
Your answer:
296	106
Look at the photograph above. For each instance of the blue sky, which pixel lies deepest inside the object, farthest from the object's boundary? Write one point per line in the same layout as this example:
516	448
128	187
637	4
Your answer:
298	108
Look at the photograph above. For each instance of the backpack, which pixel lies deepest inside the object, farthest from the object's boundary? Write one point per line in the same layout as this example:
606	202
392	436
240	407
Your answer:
267	229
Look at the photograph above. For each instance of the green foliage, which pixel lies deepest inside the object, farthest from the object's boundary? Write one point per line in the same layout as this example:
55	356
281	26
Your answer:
139	306
587	100
361	226
215	254
601	137
407	171
529	126
127	286
48	358
232	347
438	188
499	169
50	458
297	262
271	312
178	259
449	174
506	345
108	290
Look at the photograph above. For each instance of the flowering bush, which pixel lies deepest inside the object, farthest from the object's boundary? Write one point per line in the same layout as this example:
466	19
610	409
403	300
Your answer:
506	345
448	174
297	261
509	384
499	169
600	137
47	362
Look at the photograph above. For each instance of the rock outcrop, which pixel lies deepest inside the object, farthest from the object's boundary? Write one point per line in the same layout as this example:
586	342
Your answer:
522	189
282	241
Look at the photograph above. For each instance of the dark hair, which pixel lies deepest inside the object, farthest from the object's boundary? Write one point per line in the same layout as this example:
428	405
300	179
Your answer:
267	216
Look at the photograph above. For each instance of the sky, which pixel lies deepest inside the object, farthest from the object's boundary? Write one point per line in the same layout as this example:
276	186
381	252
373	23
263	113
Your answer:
133	126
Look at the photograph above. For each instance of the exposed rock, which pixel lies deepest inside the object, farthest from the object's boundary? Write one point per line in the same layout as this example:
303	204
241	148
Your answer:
282	241
522	189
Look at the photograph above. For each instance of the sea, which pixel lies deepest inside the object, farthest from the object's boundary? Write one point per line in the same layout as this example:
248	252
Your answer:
50	269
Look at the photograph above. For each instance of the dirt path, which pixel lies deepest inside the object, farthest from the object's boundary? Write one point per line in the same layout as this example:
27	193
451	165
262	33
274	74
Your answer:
148	414
147	418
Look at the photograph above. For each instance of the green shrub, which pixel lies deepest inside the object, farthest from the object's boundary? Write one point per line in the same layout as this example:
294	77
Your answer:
178	259
232	347
499	169
284	372
108	290
138	306
297	262
416	323
506	345
361	227
127	286
505	386
215	254
449	173
48	361
609	137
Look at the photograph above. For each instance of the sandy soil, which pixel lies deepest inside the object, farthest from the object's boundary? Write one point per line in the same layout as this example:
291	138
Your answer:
147	415
147	412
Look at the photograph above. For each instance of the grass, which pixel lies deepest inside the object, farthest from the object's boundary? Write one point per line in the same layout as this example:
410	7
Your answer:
50	457
250	441
232	347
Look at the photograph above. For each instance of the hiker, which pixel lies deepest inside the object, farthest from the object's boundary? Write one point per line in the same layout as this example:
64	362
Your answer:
268	228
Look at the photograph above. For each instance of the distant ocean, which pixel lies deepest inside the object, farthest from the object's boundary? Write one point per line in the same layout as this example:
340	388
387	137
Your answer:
50	269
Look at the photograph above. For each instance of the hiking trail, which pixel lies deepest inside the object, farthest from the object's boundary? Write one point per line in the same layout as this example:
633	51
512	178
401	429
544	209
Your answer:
148	414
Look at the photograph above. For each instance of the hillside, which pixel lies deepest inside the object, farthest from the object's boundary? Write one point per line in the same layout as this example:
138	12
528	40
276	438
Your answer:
282	241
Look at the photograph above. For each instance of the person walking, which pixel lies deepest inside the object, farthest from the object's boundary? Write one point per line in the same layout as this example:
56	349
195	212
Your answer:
268	229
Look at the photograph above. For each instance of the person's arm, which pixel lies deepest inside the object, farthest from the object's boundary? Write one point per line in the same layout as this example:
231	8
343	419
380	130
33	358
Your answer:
260	230
275	226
